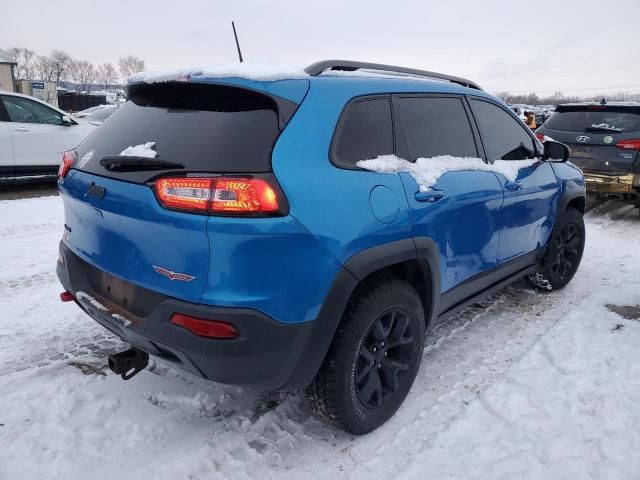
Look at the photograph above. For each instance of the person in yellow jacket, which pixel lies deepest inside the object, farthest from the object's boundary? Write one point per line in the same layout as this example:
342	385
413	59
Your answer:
530	120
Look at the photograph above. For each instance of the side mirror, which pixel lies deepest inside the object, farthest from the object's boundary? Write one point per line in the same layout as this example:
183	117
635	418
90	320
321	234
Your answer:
555	151
66	121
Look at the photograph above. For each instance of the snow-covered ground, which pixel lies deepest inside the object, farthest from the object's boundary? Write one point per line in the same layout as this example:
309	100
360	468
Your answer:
524	385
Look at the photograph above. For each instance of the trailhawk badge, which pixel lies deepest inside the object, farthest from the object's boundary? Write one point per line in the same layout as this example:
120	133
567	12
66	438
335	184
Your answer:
85	158
183	277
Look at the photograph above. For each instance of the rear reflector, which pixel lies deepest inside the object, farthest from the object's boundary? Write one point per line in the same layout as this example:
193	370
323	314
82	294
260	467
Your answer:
67	160
205	328
226	195
67	297
629	144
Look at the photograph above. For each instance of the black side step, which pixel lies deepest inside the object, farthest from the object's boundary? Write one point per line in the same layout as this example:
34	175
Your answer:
129	363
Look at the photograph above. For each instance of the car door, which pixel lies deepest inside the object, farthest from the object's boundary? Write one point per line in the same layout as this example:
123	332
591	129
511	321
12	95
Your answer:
7	165
530	199
462	212
38	133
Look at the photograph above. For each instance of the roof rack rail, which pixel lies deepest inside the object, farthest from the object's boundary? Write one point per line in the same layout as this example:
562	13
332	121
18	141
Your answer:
317	68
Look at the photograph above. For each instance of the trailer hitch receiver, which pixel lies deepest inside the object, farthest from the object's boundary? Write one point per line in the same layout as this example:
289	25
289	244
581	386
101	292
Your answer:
128	363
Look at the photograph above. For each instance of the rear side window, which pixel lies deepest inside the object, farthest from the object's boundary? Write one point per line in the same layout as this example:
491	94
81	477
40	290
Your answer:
503	137
436	126
597	120
365	131
207	128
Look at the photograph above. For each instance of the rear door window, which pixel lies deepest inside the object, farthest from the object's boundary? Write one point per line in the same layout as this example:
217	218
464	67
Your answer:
207	128
436	126
364	132
23	110
503	137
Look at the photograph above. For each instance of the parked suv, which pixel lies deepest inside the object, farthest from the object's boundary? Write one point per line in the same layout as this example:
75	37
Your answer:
605	143
223	224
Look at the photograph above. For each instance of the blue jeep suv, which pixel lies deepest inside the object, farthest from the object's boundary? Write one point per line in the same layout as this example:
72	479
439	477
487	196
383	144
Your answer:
239	239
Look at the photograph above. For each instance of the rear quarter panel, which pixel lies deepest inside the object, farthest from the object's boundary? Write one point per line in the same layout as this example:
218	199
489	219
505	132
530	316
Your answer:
334	204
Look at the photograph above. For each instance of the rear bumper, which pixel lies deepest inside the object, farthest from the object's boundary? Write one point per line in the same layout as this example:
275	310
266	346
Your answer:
267	355
603	184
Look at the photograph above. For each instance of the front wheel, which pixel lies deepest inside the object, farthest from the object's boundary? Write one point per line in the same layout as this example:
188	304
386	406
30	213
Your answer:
564	253
373	359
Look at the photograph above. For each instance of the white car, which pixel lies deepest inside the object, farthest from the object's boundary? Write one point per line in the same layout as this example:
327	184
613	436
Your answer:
34	135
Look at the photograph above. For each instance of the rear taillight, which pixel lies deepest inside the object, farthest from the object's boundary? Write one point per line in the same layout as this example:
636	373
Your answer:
67	160
629	144
540	137
205	328
221	195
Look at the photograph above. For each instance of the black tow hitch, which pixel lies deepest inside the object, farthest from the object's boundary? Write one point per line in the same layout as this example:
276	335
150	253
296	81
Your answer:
128	363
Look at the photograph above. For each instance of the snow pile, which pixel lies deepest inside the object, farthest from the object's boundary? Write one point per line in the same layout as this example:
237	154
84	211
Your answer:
145	150
427	171
250	71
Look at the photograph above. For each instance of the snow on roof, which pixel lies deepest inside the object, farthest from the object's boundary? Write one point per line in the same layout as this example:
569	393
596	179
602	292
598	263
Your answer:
5	58
250	71
371	73
427	171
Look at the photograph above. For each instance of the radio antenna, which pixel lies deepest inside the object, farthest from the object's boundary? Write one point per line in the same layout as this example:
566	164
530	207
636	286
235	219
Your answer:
235	35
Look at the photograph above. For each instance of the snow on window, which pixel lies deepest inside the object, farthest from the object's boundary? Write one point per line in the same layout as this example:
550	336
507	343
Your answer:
144	150
607	126
250	71
427	171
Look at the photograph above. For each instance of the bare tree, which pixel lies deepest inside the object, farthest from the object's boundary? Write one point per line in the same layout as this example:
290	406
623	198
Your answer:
44	68
129	65
84	73
24	59
107	74
60	62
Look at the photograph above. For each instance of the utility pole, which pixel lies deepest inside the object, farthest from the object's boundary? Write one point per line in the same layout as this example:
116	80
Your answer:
233	25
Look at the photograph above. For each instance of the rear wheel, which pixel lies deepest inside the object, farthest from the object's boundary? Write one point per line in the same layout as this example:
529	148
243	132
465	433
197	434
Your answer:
373	359
564	253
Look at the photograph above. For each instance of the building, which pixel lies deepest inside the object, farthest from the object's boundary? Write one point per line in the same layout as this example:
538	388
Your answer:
45	91
6	71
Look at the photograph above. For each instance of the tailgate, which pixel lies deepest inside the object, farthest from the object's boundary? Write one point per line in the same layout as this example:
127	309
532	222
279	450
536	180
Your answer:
593	133
127	234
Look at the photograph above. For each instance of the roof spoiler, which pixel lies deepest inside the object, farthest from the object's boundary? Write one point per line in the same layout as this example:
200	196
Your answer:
317	68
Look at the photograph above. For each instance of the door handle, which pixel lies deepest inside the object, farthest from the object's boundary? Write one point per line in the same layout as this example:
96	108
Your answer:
21	129
430	196
513	186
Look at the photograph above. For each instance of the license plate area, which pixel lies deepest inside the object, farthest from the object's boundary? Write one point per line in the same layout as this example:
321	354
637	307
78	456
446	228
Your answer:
581	151
120	292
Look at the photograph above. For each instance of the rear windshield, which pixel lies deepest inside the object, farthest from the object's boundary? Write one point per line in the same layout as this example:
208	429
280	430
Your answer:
594	120
207	128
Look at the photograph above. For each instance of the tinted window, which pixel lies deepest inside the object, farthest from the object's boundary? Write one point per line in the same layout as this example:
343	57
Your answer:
365	132
22	110
603	121
503	137
436	126
207	128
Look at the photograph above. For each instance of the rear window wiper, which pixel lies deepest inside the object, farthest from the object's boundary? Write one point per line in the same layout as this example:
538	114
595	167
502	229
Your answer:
121	163
603	129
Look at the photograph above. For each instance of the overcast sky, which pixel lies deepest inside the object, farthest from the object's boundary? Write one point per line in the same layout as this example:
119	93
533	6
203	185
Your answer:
576	47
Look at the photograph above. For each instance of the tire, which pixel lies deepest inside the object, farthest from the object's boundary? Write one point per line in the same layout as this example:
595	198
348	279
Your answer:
564	253
364	380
